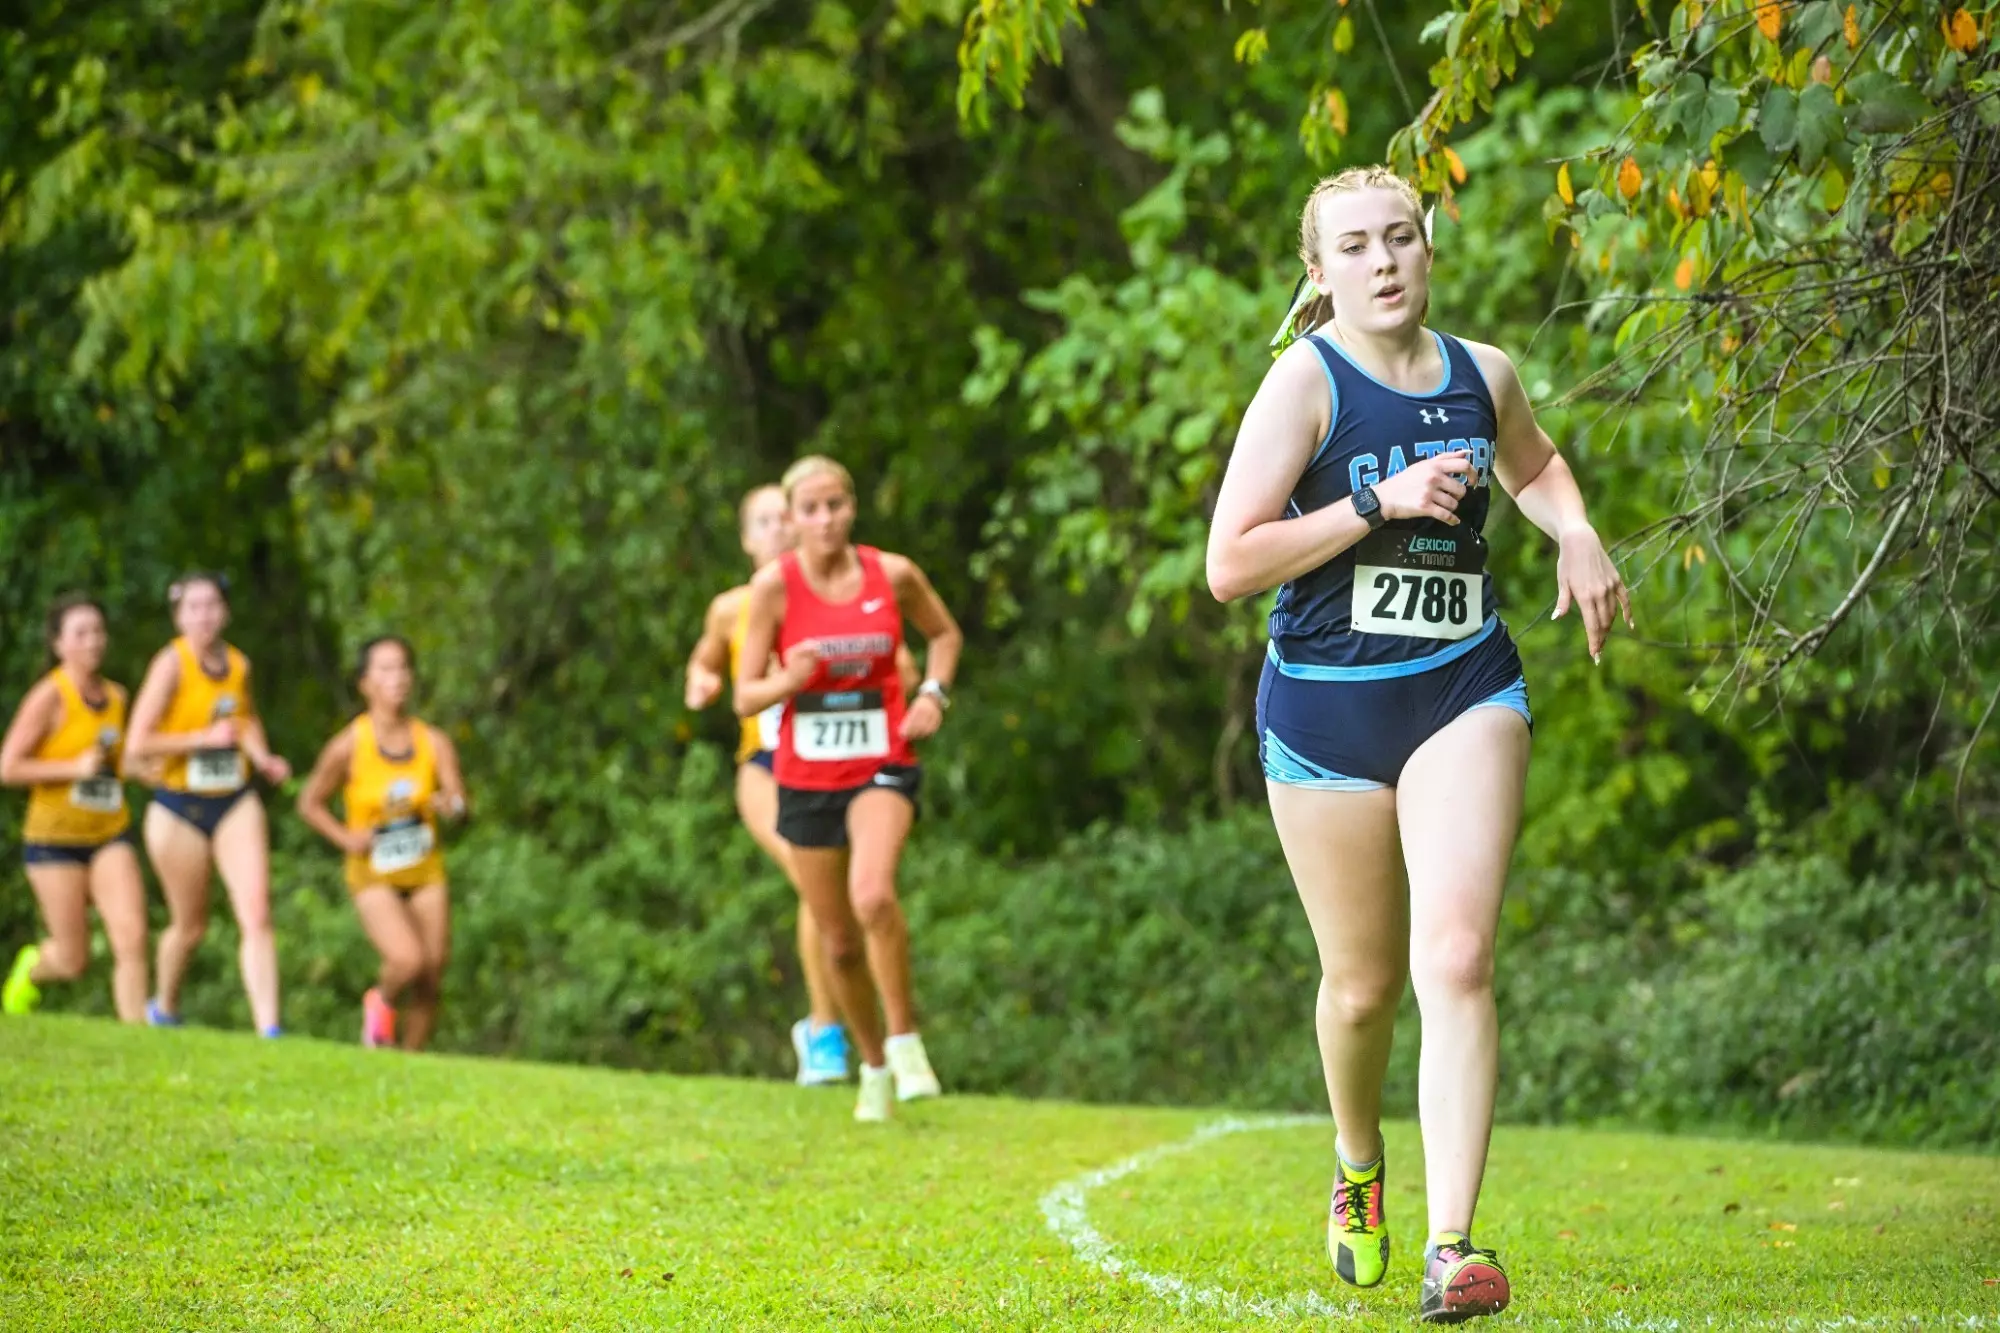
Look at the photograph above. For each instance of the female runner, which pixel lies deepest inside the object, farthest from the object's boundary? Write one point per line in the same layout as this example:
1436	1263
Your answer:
65	744
847	775
195	715
398	775
766	532
1392	718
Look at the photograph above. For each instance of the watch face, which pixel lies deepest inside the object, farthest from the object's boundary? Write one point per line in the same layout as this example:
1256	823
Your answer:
1365	501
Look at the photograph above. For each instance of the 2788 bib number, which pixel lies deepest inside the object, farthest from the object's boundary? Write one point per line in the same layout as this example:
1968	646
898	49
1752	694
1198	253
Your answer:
828	728
1419	585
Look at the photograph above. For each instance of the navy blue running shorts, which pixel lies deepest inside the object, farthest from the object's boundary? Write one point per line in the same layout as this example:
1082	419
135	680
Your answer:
69	854
204	812
1356	734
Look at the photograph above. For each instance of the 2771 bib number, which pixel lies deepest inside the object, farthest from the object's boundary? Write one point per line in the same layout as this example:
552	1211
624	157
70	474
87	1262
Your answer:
828	728
1419	585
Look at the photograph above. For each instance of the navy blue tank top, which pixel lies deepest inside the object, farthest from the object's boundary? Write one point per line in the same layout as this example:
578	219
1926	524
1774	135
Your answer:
1424	596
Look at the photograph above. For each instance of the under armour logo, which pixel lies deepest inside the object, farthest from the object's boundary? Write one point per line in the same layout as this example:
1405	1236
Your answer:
1433	416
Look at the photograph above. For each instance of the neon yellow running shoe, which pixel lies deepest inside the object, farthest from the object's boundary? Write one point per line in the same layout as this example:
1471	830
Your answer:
1356	1236
20	995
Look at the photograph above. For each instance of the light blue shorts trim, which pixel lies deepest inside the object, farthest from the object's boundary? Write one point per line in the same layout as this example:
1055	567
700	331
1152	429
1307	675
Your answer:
1386	670
1515	696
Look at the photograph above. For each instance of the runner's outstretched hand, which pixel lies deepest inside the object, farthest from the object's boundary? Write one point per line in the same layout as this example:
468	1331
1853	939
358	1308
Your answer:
1586	576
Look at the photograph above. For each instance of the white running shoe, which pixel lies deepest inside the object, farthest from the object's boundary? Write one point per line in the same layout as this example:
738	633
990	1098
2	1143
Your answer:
877	1088
914	1077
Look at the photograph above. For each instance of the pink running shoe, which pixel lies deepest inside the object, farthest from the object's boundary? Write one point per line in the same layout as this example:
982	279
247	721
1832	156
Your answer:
378	1020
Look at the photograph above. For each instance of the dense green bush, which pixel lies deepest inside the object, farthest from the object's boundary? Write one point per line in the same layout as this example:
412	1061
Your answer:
1797	993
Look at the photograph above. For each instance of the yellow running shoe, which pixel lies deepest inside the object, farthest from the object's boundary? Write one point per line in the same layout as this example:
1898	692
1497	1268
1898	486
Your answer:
1356	1236
20	995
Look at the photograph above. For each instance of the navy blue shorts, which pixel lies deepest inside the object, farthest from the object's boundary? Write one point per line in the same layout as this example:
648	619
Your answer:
63	854
1348	734
764	759
204	812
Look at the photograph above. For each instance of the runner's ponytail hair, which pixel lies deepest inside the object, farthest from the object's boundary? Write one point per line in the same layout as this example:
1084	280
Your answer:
1311	307
59	612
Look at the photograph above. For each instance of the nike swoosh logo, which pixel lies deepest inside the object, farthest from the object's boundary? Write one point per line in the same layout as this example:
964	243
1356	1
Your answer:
870	608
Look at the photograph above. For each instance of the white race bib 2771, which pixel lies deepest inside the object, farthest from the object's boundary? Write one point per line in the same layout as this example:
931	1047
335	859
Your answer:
214	772
400	846
103	795
828	728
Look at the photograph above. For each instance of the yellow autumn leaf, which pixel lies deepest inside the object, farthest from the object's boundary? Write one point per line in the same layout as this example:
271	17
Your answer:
1770	18
1729	343
1822	70
1675	205
1961	33
309	89
1456	164
1850	28
1701	189
1336	110
1881	478
1692	554
1694	8
1629	178
1564	189
1684	274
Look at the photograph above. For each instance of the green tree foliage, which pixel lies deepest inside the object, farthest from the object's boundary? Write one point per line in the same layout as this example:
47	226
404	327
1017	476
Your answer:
472	320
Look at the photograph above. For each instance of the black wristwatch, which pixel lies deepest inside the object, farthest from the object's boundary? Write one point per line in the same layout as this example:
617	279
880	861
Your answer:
1368	506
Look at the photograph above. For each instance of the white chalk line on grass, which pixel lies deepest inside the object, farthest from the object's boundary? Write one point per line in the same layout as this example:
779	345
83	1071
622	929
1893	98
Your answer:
1067	1209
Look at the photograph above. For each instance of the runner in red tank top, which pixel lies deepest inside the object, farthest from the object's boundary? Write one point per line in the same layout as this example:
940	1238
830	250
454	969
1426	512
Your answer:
847	772
846	724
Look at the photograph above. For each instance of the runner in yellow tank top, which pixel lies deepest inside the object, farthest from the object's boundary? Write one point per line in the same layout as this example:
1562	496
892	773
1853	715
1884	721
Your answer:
398	775
65	744
195	724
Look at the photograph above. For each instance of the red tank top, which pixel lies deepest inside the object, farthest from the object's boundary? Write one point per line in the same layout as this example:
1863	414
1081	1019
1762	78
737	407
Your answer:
846	725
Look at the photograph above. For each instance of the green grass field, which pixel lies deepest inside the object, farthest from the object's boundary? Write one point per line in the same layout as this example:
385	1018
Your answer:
202	1180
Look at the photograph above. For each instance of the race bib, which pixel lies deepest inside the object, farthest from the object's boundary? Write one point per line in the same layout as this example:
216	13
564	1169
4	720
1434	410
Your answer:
852	724
767	726
214	772
103	795
1421	585
400	846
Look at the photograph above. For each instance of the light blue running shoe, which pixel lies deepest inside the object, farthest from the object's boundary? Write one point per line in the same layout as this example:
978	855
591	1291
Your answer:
822	1052
157	1017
